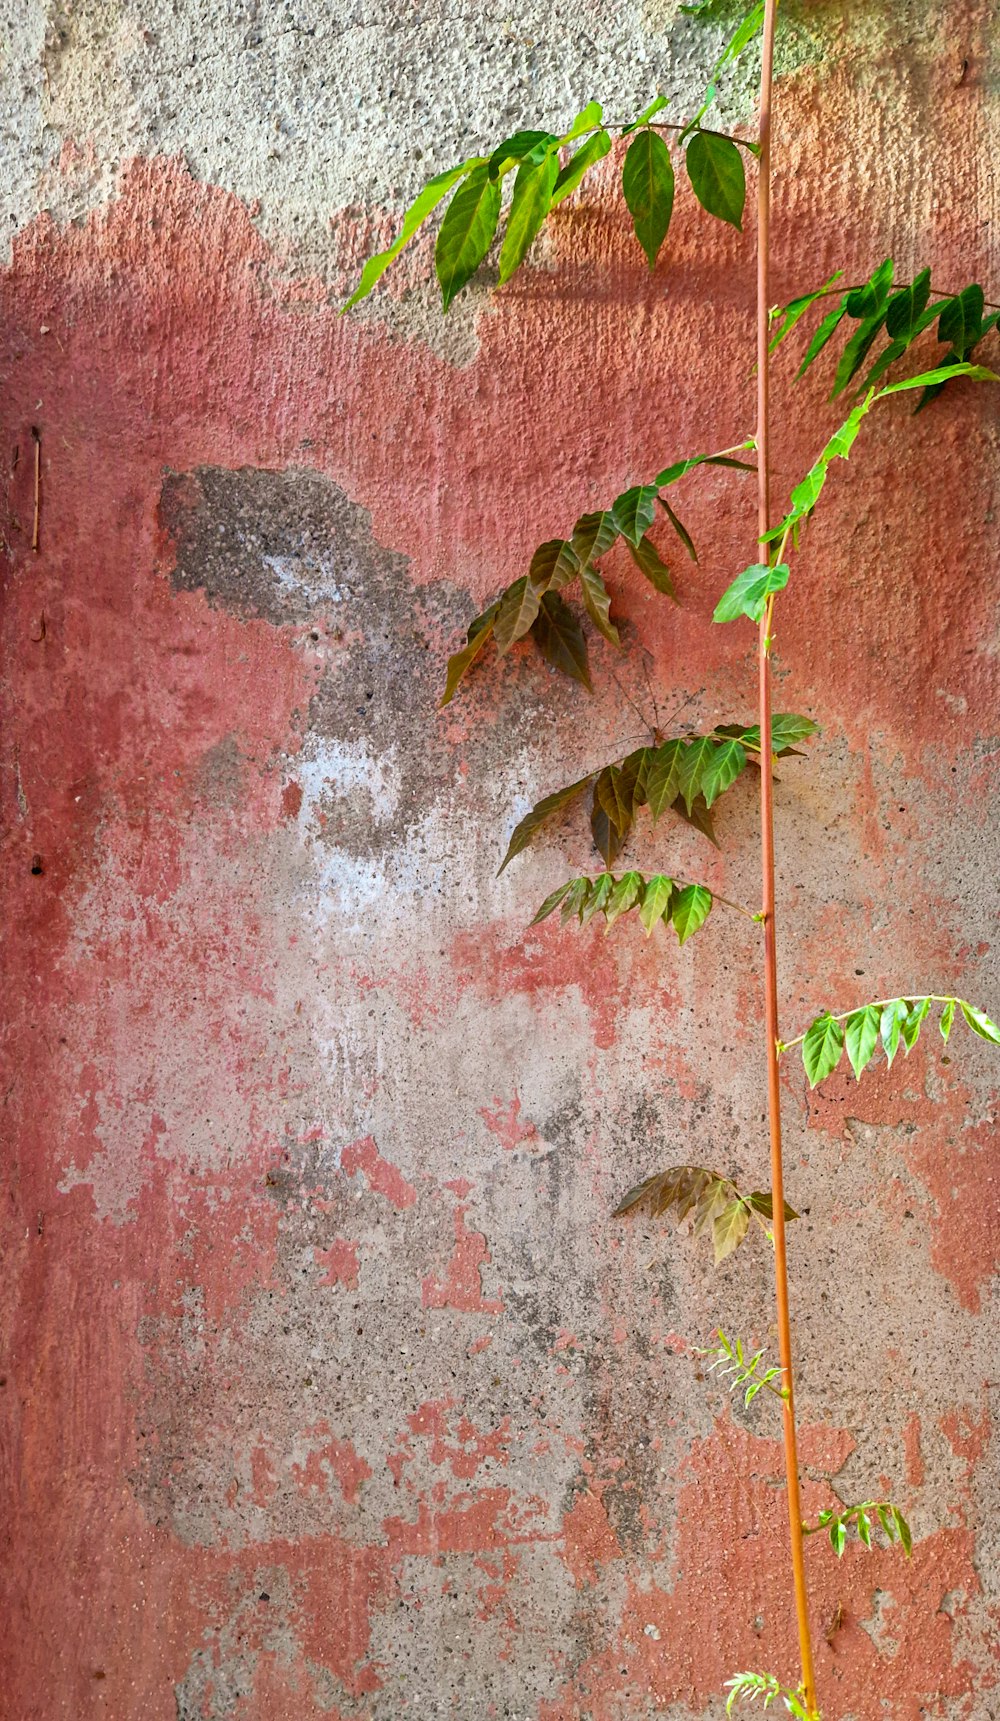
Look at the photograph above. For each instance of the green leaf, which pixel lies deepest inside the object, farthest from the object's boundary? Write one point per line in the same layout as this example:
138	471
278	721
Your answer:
655	107
903	1527
806	493
855	353
608	839
461	661
553	565
698	816
947	1018
575	900
466	232
723	768
648	185
541	816
788	727
883	1514
715	169
634	511
910	1027
585	121
943	373
838	1537
744	33
861	1037
593	535
518	609
559	638
961	323
648	560
681	530
790	314
821	1048
827	327
680	468
905	308
625	895
689	910
597	601
530	204
663	778
871	298
615	797
980	1023
749	592
598	898
696	756
729	1229
552	902
569	178
893	1016
762	1202
865	1528
656	900
416	215
530	146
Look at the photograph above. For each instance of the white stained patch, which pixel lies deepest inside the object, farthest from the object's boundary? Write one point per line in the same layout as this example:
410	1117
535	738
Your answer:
303	578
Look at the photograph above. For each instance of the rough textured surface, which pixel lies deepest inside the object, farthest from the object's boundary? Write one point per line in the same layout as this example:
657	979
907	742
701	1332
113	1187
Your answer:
330	1388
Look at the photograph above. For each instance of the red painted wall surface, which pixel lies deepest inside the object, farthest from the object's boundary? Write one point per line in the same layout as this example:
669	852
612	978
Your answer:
330	1388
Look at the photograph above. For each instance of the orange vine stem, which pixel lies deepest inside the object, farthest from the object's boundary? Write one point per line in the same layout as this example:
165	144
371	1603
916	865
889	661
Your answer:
767	856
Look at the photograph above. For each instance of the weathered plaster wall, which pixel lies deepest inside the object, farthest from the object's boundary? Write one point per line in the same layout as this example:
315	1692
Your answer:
330	1389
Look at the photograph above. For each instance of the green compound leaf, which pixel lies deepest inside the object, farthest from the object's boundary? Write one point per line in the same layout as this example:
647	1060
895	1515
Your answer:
821	1048
634	511
722	769
530	204
656	901
624	896
648	185
715	169
861	1037
541	816
569	178
559	637
466	232
416	215
648	560
689	910
461	661
529	146
980	1023
749	592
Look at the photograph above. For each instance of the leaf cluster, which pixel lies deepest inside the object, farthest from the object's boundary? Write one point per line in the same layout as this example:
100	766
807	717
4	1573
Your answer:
752	1686
533	605
745	1370
895	1021
685	773
864	1519
712	1201
886	323
685	906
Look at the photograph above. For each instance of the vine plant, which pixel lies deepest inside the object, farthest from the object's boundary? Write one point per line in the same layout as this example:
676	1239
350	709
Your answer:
874	324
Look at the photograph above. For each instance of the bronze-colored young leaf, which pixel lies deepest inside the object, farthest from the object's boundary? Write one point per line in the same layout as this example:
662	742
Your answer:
461	661
682	1185
698	816
762	1202
518	609
597	601
553	565
680	528
541	816
615	797
729	1229
608	839
648	560
559	637
594	534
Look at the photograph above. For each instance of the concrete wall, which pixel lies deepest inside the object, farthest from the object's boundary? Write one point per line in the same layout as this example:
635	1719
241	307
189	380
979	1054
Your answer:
330	1387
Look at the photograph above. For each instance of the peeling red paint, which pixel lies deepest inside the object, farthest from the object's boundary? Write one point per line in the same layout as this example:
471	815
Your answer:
462	1288
339	1263
381	1177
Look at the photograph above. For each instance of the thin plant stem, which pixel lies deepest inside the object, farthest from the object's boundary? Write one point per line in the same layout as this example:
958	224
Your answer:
768	900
